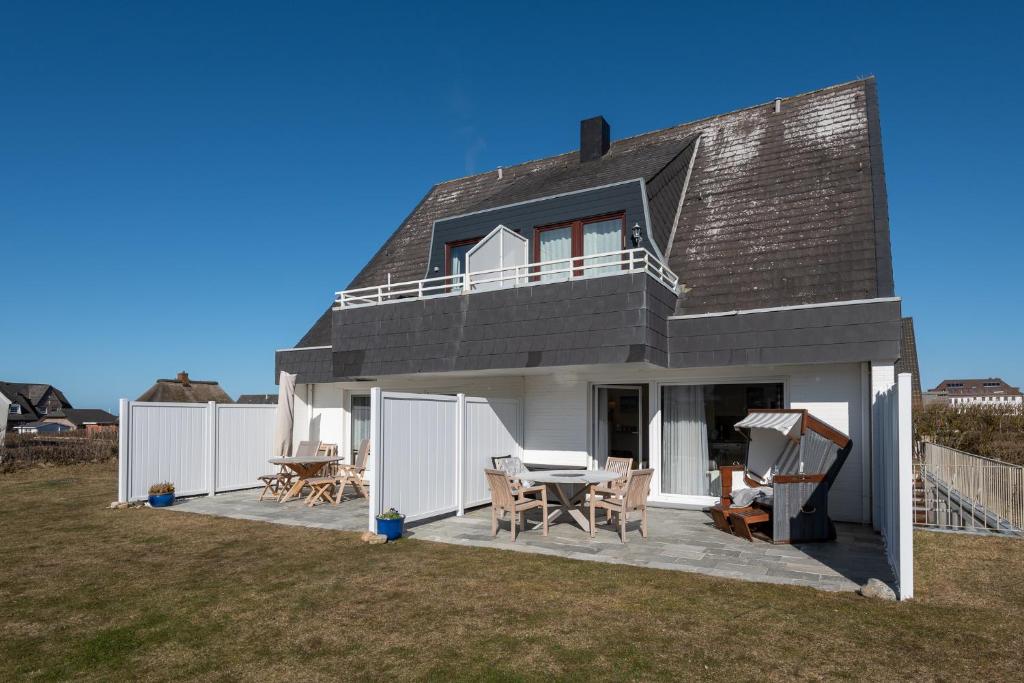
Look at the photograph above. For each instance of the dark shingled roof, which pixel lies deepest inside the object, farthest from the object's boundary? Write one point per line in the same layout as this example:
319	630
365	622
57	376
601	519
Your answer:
908	360
28	395
81	416
174	391
782	208
257	399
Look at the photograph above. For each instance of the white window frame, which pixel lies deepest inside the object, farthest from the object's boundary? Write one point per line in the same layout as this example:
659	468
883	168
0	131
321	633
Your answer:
654	448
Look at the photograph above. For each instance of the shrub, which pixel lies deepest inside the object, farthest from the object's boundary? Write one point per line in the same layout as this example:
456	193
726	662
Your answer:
161	488
993	431
29	450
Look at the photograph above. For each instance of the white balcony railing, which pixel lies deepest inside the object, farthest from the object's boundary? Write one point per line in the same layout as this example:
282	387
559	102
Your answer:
557	270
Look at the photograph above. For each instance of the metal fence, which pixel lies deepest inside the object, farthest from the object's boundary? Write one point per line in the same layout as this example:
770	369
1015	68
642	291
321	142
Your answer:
961	491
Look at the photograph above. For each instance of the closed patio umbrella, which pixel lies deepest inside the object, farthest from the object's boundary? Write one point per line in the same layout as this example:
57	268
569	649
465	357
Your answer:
5	407
285	415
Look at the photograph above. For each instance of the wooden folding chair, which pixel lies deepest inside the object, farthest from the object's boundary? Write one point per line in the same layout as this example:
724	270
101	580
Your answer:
355	474
277	484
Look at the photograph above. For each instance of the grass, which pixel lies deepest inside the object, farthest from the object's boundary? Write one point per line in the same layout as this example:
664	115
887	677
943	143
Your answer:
91	593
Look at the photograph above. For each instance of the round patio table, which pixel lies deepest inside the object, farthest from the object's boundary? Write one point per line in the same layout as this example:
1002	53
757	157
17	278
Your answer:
571	505
306	467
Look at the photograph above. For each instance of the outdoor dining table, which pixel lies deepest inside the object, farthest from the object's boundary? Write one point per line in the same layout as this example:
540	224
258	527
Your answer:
571	505
305	467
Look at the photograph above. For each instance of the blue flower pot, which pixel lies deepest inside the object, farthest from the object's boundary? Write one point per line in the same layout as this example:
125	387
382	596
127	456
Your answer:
162	500
392	528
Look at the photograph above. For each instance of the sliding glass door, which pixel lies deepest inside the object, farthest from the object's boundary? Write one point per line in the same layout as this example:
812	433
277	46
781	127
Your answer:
554	243
359	409
698	435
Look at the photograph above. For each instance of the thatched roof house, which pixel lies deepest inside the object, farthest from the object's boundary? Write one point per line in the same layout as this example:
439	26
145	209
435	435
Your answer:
184	390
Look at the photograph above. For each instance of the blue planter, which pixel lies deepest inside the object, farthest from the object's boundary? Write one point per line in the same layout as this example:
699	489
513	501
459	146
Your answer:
162	500
392	528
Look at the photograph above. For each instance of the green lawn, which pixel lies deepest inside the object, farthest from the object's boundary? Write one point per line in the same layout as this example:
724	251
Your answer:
93	593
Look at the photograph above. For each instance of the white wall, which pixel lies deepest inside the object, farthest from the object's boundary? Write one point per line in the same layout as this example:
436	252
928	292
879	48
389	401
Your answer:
326	417
555	420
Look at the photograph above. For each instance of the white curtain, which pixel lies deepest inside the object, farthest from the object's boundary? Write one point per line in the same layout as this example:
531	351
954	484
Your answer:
555	244
599	238
684	449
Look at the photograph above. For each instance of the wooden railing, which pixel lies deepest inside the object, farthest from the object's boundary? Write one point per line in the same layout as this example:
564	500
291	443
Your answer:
557	270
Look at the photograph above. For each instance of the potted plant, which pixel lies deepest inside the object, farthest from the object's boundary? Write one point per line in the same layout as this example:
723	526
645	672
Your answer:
391	524
161	495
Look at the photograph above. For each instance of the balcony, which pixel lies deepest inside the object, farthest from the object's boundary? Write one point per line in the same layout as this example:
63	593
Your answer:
607	264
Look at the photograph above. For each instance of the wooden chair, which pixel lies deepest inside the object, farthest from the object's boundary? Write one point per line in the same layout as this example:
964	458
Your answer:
633	498
620	466
515	469
277	484
355	474
503	500
331	487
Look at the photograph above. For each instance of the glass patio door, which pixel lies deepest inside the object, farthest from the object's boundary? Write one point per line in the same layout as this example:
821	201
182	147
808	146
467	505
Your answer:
359	409
554	244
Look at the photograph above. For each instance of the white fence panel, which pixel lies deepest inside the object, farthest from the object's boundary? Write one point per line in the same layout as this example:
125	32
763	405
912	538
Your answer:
245	437
200	447
167	442
416	466
493	428
893	474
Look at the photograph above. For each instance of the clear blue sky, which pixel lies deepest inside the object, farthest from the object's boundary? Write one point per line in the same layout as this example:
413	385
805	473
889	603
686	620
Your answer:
185	185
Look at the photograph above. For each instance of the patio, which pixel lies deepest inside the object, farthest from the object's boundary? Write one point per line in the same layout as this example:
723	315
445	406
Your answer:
681	540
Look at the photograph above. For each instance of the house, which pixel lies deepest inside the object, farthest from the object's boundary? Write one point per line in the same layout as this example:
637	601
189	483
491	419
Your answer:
92	420
984	392
182	389
42	427
31	402
637	297
257	399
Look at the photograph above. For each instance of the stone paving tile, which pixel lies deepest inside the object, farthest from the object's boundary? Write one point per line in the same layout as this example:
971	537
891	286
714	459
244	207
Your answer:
680	540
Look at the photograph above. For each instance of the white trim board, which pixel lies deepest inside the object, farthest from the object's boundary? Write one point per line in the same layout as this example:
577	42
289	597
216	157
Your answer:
749	311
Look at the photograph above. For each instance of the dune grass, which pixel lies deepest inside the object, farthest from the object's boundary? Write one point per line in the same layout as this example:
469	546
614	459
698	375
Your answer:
90	593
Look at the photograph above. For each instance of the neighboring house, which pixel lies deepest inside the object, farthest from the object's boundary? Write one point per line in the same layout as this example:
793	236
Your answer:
42	427
908	361
182	389
251	399
986	392
638	296
30	402
92	420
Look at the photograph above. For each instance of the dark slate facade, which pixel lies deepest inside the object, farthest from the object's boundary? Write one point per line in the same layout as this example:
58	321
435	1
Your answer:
826	334
523	218
606	320
586	321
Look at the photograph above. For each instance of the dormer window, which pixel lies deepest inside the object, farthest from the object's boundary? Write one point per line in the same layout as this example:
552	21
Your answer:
574	239
43	410
14	409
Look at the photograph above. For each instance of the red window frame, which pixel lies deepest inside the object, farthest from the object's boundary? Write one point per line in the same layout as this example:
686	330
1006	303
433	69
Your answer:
448	252
577	235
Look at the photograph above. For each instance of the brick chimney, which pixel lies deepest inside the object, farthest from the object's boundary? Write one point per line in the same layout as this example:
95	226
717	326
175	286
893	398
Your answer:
183	378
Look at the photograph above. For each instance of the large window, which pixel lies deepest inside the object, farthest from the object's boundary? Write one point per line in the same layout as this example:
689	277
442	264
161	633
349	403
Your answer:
575	239
698	435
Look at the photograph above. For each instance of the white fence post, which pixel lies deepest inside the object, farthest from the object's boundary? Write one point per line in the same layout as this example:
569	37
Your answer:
211	447
460	453
377	453
906	488
124	424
